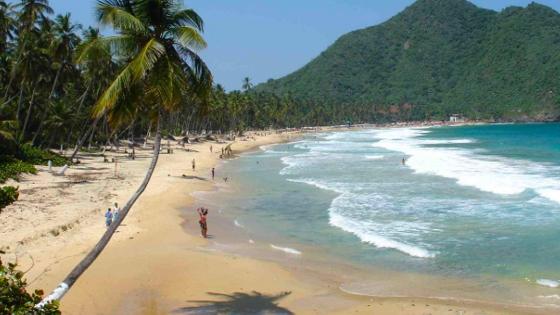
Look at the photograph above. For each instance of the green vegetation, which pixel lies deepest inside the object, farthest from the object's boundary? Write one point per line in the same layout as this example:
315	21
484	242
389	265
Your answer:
14	298
8	195
11	168
436	58
37	156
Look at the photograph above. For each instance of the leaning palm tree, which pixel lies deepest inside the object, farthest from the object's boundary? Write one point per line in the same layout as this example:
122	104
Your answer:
158	39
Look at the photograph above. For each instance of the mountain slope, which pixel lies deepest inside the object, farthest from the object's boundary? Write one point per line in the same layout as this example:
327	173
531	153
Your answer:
442	56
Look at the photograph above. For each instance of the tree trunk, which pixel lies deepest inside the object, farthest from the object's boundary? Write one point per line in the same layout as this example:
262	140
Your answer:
22	136
20	100
46	111
13	74
69	281
82	139
147	135
73	125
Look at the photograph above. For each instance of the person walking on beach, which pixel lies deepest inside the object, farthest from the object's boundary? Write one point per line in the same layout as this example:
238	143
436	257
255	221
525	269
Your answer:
213	172
108	217
210	148
116	212
202	213
193	165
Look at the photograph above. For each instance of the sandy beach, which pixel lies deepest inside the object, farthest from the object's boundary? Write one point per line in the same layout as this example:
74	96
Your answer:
152	266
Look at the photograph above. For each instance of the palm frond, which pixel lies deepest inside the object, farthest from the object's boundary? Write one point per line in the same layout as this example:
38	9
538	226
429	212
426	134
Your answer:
119	45
118	17
188	37
199	75
132	72
188	17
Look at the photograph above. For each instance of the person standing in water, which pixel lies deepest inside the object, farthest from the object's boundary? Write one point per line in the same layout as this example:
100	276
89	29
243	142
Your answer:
404	161
193	165
202	213
108	218
213	173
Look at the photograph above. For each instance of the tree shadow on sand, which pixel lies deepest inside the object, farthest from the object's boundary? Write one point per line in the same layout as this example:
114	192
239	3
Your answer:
238	303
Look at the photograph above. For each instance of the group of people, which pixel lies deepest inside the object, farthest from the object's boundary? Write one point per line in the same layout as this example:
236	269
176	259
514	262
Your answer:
112	215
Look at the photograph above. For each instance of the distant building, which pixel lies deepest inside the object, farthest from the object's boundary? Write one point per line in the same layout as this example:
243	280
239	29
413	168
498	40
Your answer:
456	118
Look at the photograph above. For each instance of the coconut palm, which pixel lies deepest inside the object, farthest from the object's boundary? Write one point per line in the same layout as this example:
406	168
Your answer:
7	24
158	39
62	47
30	12
97	65
247	85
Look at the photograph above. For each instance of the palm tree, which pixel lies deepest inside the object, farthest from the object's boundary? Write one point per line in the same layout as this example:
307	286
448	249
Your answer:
7	24
62	48
97	67
247	85
158	39
31	11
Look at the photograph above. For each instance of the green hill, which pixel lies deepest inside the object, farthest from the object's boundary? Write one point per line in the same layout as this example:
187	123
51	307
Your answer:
439	57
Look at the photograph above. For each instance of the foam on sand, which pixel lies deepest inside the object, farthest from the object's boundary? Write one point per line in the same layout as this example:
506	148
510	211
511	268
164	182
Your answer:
287	250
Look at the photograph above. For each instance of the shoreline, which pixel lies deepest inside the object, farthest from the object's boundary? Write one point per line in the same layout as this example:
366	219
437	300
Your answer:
153	266
321	265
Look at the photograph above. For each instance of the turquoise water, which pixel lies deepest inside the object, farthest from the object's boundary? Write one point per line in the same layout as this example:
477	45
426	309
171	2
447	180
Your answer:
469	202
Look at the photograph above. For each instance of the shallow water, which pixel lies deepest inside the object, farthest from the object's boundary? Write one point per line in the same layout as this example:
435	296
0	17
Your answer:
480	203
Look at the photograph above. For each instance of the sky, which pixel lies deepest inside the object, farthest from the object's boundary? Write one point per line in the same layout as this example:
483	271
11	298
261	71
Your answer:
263	39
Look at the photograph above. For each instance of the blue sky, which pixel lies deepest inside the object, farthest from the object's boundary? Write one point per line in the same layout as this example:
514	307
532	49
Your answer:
264	39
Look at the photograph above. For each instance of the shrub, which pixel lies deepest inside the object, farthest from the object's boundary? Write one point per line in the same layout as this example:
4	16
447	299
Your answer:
36	156
14	298
11	168
8	195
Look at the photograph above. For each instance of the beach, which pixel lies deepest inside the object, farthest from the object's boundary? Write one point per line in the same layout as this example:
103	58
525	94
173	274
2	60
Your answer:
154	266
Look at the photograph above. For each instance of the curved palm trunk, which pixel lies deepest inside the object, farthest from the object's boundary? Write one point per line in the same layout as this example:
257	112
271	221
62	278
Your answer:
73	276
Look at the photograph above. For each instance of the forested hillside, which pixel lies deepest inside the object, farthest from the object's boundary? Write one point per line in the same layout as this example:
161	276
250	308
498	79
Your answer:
439	57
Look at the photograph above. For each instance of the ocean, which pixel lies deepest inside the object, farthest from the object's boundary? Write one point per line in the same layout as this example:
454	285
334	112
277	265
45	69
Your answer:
477	204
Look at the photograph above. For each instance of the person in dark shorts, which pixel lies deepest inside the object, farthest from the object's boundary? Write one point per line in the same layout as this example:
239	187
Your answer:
202	213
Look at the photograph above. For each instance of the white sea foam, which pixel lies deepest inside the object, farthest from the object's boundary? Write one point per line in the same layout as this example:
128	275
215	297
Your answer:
338	188
491	174
286	249
551	194
345	212
548	283
374	157
368	236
